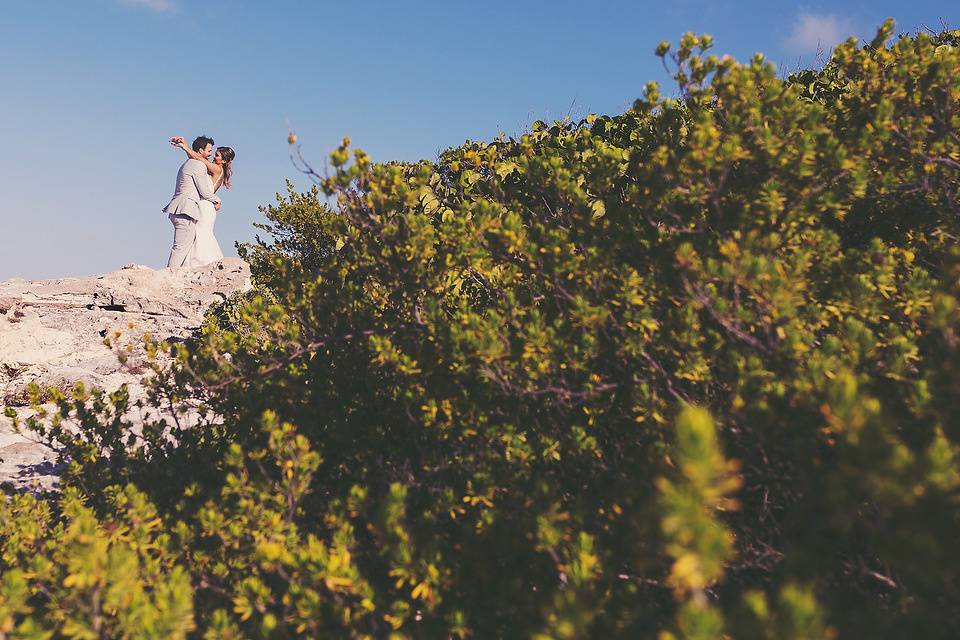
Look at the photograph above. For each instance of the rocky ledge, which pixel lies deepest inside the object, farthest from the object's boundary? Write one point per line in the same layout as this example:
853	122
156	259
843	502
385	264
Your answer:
52	333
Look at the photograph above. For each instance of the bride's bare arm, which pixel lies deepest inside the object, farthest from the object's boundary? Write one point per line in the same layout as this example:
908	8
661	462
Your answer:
213	169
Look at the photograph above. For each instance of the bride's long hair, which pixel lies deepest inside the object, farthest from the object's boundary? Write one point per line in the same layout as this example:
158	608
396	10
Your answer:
227	155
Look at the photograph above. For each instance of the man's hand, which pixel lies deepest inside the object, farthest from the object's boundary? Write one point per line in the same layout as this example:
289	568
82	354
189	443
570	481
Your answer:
216	205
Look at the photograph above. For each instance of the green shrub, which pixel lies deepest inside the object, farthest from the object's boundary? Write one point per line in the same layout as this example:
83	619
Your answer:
461	402
76	577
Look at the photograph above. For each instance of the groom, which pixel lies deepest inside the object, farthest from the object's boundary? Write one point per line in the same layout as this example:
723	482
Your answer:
193	185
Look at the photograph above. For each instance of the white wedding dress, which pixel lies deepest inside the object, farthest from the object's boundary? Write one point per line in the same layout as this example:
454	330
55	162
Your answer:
206	249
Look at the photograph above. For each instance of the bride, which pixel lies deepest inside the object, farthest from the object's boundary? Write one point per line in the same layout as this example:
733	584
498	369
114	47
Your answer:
206	249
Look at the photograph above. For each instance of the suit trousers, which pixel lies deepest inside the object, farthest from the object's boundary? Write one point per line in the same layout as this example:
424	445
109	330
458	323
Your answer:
184	235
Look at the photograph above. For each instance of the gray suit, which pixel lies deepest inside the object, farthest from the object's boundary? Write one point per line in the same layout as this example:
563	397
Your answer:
193	185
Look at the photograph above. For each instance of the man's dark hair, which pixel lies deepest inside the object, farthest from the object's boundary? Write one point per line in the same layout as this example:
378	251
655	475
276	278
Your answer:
201	142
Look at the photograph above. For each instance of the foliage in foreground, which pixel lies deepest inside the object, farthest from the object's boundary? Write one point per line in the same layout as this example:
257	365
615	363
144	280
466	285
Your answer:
686	372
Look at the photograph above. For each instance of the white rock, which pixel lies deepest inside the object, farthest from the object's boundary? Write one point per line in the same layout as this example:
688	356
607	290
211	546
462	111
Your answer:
52	332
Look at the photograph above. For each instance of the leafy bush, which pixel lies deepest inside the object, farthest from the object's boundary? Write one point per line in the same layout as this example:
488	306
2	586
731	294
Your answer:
75	576
682	372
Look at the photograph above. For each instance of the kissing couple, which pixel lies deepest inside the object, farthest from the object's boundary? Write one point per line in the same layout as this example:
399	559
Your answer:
193	209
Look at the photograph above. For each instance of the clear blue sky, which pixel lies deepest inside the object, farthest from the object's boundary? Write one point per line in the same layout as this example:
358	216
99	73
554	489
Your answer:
91	89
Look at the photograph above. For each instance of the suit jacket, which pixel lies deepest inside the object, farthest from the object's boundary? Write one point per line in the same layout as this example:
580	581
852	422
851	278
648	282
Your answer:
193	185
